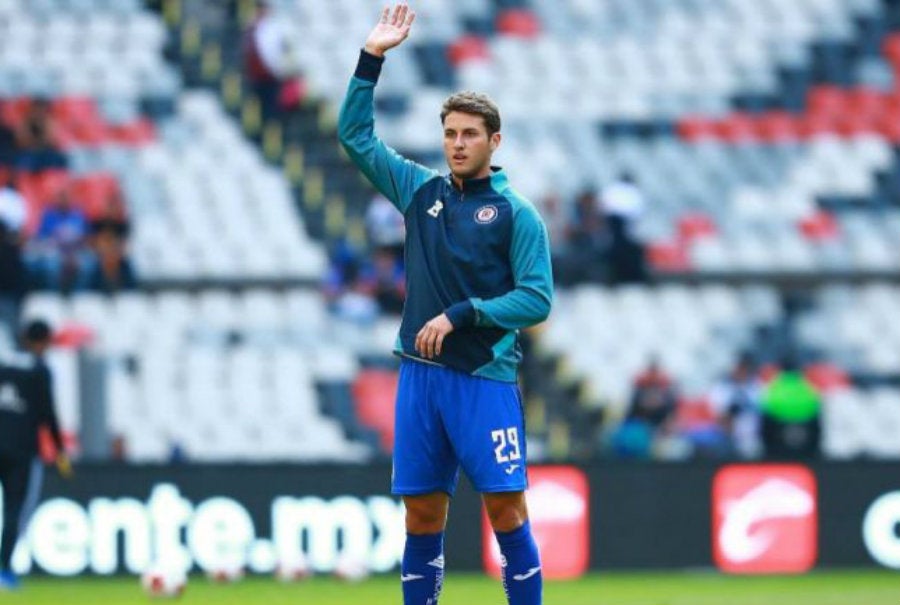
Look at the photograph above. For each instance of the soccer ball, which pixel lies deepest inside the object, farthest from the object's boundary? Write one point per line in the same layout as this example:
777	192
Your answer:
159	581
225	574
351	569
293	569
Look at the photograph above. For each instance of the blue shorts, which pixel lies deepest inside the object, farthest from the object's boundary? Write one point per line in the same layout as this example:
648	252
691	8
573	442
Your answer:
446	419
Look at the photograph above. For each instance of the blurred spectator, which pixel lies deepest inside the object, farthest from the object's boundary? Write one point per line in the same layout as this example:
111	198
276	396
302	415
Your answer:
36	139
112	217
385	226
388	281
553	212
348	286
587	242
118	451
268	65
57	254
13	214
177	452
736	403
623	203
8	145
650	413
110	270
790	415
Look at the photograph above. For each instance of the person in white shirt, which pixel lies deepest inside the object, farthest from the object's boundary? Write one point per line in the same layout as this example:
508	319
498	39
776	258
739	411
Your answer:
13	216
736	403
622	202
268	61
623	198
13	208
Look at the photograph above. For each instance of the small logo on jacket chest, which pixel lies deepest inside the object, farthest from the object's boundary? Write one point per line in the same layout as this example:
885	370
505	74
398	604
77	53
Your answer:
486	214
435	210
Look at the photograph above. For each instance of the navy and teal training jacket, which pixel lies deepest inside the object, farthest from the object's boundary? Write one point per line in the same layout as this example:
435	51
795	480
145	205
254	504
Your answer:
478	253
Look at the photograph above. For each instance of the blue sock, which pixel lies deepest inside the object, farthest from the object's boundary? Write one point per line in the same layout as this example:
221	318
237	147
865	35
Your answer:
422	570
520	566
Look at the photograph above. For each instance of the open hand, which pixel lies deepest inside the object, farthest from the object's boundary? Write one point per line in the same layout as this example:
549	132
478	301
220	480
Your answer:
430	338
391	30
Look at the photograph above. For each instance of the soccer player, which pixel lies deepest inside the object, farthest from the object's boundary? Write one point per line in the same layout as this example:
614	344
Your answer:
26	403
478	270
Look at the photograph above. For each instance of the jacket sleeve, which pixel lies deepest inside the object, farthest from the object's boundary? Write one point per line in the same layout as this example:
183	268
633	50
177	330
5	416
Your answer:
529	302
393	175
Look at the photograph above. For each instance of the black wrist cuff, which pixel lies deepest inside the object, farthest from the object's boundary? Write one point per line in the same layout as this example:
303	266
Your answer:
461	314
368	67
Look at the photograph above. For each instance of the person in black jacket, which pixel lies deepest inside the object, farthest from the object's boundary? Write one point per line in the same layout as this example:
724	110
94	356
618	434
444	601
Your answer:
26	404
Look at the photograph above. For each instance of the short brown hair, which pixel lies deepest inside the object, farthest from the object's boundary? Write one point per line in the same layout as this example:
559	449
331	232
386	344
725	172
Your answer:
474	103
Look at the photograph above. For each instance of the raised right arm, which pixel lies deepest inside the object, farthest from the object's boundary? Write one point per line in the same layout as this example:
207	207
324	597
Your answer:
394	176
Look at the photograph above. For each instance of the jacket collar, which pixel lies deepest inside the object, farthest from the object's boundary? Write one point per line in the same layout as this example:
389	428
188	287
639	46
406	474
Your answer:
496	181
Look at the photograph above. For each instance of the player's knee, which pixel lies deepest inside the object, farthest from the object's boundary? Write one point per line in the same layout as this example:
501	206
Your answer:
507	512
424	523
425	517
507	519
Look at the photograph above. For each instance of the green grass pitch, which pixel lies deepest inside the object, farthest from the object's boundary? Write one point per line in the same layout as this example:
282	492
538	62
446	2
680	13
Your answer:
870	587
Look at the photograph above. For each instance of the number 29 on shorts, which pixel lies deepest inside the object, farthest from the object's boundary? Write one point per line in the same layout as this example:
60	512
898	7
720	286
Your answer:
506	444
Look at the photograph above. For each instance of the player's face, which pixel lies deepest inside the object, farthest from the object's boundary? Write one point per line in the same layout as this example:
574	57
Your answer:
467	146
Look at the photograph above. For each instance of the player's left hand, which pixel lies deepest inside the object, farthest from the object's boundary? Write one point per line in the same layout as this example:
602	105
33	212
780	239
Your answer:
430	338
64	466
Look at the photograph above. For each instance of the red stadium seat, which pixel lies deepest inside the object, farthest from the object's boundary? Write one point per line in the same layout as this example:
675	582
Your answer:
139	132
73	336
75	110
812	125
695	225
64	136
374	392
89	134
78	122
518	22
850	123
468	48
826	377
889	127
12	111
820	226
738	128
51	183
866	101
778	126
826	101
892	50
92	191
668	257
697	128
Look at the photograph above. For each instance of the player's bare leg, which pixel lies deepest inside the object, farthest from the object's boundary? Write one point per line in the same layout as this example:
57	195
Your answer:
422	571
520	563
426	514
506	511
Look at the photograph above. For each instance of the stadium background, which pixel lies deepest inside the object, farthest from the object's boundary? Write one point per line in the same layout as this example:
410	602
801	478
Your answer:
762	135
